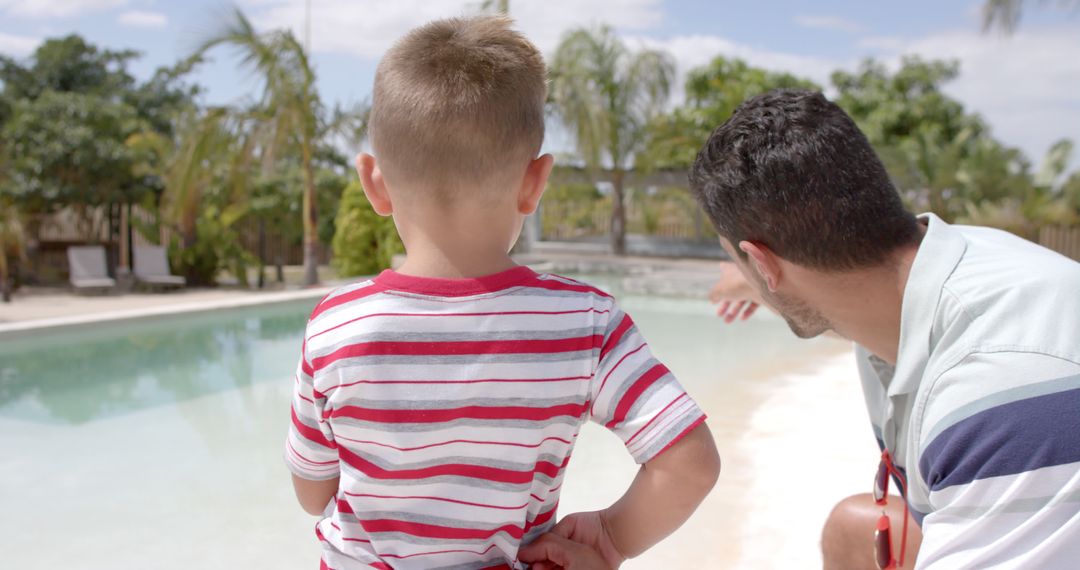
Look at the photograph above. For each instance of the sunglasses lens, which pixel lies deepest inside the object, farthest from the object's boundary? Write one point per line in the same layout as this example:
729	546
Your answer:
882	545
881	482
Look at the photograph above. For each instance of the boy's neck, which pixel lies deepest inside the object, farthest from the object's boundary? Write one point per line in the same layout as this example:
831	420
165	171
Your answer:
457	242
440	264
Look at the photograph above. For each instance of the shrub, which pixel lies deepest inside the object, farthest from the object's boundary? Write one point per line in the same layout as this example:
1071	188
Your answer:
364	242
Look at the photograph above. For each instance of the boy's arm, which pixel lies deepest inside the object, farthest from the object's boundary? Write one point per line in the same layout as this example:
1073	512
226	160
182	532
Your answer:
314	495
310	450
664	494
662	497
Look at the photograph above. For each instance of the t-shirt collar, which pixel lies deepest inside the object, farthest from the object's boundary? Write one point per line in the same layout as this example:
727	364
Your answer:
939	253
392	280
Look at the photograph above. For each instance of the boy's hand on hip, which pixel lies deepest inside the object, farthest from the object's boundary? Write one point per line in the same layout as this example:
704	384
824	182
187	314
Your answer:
554	552
591	530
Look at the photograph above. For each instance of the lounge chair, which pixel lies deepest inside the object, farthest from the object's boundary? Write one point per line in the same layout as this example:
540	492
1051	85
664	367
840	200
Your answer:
87	268
152	267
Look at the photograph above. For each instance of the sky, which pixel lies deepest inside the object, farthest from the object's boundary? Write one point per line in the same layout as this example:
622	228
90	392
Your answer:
1027	86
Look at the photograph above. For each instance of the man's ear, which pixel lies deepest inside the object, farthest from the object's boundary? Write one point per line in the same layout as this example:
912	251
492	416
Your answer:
374	185
765	262
533	183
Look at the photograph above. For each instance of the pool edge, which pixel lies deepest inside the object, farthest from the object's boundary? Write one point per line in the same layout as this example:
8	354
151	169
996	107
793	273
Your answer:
16	329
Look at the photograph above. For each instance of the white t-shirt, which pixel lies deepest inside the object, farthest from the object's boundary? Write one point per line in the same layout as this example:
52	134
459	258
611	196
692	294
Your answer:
982	410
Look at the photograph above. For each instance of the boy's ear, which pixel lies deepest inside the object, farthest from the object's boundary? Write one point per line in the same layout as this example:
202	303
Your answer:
764	261
534	183
374	185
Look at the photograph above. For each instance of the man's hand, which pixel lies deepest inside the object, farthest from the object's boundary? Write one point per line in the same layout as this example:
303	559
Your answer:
554	552
733	295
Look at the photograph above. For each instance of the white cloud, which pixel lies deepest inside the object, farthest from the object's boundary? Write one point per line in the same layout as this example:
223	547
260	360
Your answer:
367	29
830	23
143	19
17	46
694	51
1027	86
698	50
56	8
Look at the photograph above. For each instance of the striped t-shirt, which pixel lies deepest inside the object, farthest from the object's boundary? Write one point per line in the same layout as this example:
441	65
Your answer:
449	408
982	409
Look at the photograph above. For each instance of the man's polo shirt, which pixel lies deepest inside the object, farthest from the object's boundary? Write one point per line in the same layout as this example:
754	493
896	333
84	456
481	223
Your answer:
982	410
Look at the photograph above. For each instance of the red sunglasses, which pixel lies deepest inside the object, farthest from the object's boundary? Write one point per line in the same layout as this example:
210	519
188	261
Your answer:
883	550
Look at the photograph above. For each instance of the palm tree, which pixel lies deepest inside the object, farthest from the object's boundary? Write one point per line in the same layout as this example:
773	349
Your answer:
1005	14
606	95
290	102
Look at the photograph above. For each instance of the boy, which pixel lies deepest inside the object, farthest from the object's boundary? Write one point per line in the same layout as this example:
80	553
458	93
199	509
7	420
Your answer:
438	405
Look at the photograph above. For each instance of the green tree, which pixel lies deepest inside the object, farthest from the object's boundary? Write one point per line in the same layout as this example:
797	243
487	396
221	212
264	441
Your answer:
713	92
1033	201
364	242
68	149
923	135
74	126
64	128
606	95
290	105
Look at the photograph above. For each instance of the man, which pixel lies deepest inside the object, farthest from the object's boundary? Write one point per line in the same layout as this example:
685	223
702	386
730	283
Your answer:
967	341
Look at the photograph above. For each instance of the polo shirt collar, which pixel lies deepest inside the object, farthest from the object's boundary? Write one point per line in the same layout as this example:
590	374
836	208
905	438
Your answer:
939	253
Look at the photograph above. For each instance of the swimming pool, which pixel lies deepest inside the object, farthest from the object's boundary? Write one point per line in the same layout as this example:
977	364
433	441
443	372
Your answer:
157	444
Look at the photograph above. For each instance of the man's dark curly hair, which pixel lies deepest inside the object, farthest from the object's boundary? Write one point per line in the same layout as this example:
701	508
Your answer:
792	171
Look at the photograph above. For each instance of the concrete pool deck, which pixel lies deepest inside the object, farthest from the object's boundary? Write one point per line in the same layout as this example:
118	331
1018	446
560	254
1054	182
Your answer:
39	312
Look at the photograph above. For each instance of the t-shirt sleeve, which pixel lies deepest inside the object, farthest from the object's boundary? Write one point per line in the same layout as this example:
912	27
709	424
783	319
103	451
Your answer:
636	396
1000	456
310	451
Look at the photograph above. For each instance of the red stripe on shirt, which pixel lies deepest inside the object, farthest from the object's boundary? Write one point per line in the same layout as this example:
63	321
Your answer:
542	518
682	434
331	302
305	459
603	382
310	433
442	499
656	417
453	441
555	285
453	551
437	531
636	390
399	416
616	336
462	314
452	469
451	348
476	381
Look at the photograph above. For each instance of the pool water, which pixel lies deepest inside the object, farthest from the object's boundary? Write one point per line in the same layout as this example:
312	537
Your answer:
112	370
158	444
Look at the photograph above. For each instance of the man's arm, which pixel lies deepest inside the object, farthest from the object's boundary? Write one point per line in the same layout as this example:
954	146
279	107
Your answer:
666	491
314	495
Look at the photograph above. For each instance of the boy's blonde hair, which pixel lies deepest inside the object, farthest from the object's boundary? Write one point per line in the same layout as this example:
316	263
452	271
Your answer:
458	103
